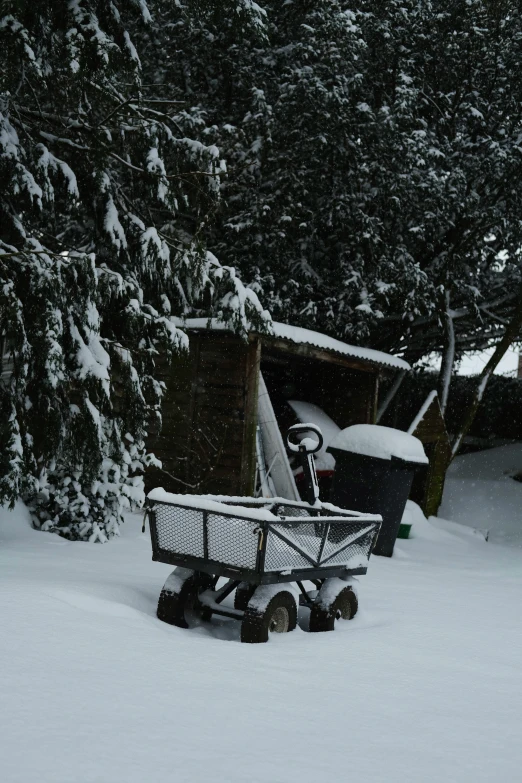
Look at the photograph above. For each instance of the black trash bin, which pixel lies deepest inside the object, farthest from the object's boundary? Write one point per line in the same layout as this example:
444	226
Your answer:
374	469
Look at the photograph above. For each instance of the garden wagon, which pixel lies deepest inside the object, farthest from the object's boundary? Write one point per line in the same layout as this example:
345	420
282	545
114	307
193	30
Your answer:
266	548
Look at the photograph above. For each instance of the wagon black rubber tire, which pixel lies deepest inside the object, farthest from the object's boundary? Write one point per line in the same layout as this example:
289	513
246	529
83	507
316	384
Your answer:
344	607
279	616
172	606
244	593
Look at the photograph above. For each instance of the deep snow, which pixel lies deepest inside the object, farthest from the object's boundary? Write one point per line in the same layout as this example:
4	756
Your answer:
481	493
424	685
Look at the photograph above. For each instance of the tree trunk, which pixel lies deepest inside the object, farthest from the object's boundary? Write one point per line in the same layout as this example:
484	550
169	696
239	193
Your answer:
511	334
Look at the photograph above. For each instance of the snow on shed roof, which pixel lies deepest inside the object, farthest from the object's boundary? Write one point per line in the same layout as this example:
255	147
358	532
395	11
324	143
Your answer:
301	336
308	337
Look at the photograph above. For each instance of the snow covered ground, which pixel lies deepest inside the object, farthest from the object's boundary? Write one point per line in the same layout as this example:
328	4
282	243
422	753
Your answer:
480	492
424	685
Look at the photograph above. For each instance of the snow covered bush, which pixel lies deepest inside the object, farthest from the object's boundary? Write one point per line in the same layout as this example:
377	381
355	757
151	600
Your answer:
105	192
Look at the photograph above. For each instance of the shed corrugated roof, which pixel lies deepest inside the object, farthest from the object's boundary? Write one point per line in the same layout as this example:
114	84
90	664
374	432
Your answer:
301	336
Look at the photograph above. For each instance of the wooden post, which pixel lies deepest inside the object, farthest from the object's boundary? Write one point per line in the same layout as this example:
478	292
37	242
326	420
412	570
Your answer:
248	453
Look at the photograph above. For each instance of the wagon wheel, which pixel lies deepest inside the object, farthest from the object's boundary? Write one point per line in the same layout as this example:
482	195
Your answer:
343	607
179	597
278	616
244	593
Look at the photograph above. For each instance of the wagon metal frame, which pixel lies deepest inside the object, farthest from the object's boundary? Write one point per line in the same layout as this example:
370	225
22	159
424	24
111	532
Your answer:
258	544
327	526
231	539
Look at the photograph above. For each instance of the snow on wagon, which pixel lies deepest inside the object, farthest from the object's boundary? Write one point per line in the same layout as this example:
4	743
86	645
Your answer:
266	549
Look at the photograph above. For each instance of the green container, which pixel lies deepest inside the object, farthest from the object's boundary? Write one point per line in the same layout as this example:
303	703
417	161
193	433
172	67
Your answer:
404	531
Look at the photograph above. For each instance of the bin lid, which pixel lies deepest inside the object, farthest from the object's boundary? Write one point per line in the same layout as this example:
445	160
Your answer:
372	440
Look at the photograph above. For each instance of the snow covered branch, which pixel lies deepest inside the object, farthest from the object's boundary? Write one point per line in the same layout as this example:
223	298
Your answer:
448	357
511	333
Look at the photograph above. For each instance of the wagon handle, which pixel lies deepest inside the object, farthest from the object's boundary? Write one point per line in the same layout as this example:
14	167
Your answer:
306	444
305	449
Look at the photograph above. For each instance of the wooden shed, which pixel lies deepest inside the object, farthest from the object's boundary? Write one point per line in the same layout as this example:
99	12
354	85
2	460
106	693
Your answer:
207	442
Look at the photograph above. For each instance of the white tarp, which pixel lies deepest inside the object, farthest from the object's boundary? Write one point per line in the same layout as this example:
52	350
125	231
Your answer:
274	449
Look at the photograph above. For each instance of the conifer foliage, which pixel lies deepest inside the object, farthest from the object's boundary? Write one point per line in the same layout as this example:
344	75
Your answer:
358	164
105	191
376	147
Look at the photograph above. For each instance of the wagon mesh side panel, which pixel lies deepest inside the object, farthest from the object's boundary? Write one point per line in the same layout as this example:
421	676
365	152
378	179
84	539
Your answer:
340	536
352	538
232	541
179	530
280	555
355	556
291	544
306	536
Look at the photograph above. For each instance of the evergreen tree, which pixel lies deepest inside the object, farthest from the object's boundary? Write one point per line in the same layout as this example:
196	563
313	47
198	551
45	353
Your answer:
105	195
375	150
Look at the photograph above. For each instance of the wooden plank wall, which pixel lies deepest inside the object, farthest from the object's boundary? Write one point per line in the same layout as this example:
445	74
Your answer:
350	396
207	442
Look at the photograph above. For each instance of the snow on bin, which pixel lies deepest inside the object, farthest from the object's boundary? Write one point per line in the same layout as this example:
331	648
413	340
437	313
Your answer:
374	472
